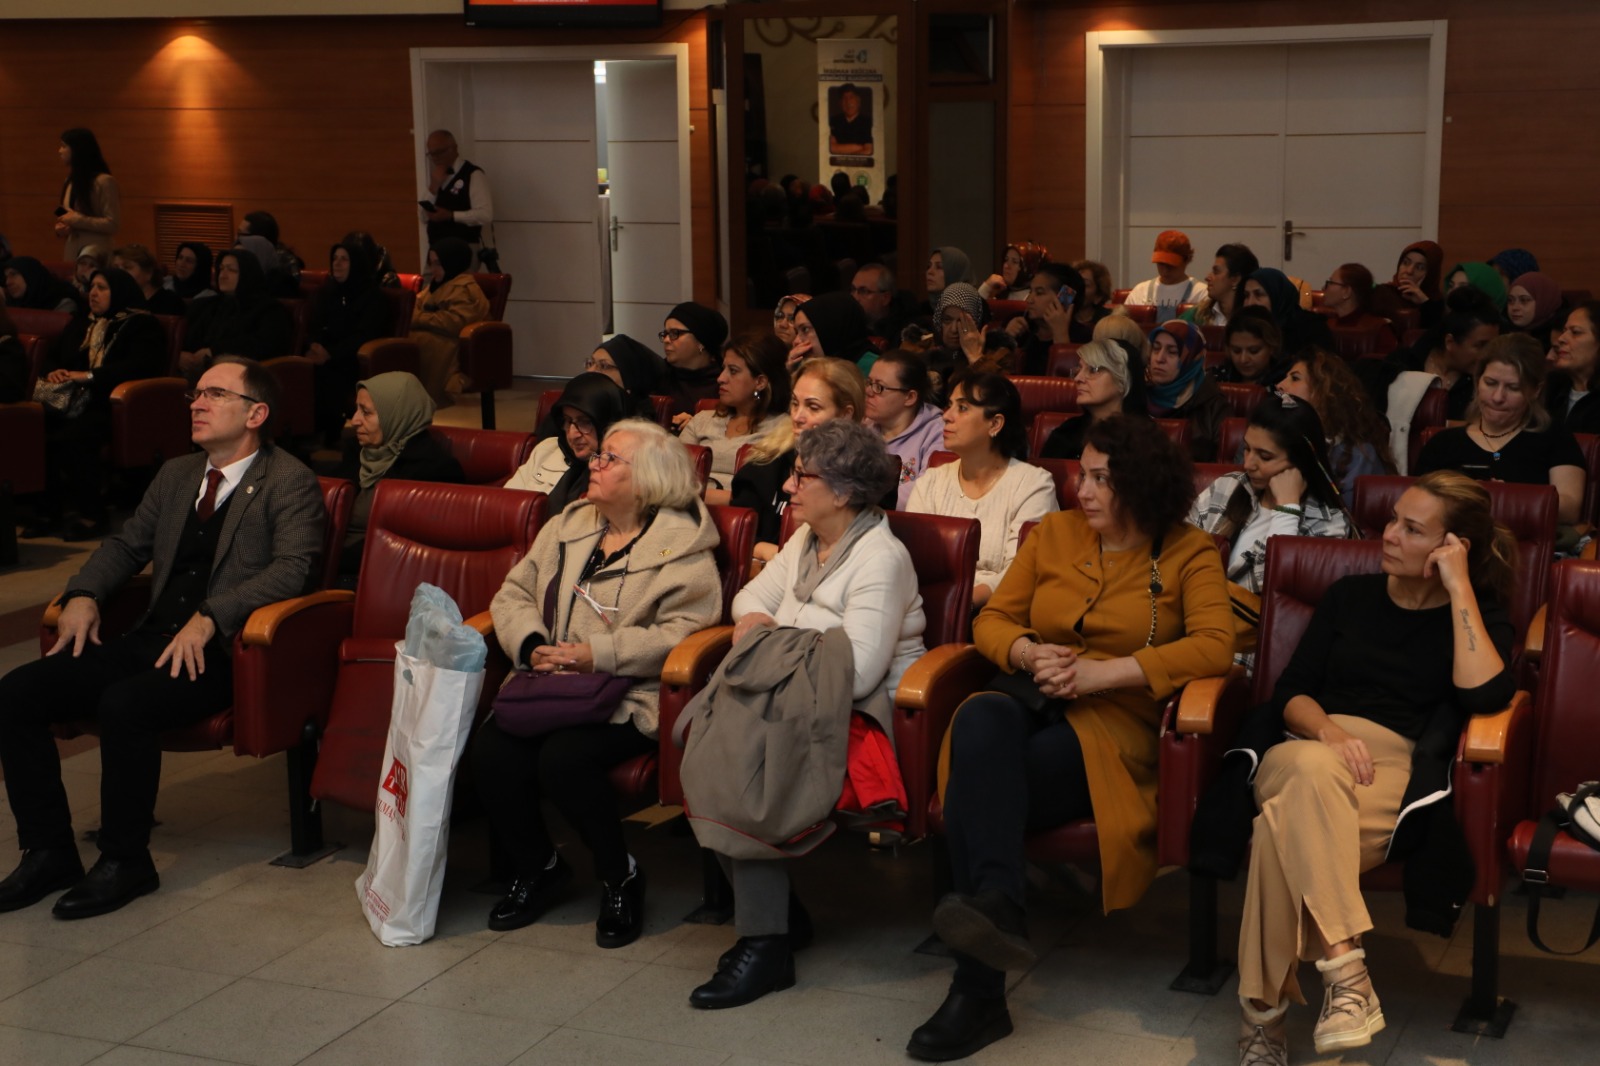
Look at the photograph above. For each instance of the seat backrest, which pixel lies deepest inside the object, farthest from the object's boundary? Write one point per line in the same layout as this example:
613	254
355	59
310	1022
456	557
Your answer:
1064	472
700	405
1063	361
34	349
1177	429
1529	511
736	528
740	456
311	281
296	378
1243	398
1045	394
462	538
1567	725
46	325
339	497
547	403
940	458
662	405
487	456
1216	337
700	458
1119	297
944	551
497	290
1590	444
1298	571
402	301
1430	412
300	314
1003	311
1206	473
172	327
1044	423
1359	342
1230	439
1144	314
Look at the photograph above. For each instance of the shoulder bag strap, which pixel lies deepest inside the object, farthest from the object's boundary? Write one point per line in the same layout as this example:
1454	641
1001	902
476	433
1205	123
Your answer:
1537	876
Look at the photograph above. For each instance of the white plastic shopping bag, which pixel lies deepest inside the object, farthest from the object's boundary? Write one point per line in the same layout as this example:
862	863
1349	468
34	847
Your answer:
428	730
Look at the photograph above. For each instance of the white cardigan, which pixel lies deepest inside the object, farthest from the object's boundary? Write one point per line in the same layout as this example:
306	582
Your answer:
872	594
544	468
1025	493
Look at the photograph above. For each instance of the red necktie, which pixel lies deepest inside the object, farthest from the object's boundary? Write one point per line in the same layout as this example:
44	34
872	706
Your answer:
208	502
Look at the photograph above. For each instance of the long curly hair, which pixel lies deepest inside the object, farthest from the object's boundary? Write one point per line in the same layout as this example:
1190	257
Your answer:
1346	410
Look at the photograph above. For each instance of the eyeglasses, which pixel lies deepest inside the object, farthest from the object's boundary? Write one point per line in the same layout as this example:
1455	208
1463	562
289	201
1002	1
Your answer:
1331	282
878	388
601	460
1088	371
217	395
862	290
591	363
673	334
802	476
583	425
779	316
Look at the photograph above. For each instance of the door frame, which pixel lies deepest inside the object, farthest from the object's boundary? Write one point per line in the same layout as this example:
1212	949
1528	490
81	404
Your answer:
1106	149
589	53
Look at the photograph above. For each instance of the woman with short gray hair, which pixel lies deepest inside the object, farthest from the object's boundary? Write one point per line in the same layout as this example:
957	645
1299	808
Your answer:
1110	380
842	568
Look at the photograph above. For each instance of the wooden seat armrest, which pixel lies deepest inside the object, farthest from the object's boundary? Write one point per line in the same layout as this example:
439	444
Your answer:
1201	703
483	622
52	614
958	669
1533	644
684	663
1488	736
262	625
371	346
130	390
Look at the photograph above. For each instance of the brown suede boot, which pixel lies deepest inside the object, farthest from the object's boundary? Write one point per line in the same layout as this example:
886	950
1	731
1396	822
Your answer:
1350	1010
1264	1036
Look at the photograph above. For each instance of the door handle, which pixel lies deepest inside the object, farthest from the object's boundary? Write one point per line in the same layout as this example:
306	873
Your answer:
616	228
1289	234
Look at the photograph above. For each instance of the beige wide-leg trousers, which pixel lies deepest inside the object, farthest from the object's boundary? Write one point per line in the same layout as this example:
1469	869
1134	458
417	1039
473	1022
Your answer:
1317	832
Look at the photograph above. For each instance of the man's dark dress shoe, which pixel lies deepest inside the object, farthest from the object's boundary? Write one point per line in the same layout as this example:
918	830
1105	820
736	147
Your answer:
41	872
760	964
988	927
960	1027
110	885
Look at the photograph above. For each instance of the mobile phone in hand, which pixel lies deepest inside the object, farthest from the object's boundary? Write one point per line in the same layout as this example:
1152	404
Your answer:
60	211
1066	296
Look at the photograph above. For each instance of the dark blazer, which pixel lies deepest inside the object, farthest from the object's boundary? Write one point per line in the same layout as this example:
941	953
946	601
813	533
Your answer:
269	548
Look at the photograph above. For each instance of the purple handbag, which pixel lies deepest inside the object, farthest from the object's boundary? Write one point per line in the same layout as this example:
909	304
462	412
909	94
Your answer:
530	705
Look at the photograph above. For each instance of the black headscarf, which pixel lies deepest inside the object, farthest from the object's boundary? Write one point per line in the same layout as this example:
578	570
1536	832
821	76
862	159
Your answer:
253	289
455	257
126	295
605	403
706	323
361	277
45	291
840	325
640	368
200	280
262	224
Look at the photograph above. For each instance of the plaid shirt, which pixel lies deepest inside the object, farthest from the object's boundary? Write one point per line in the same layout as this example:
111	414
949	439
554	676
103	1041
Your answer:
1317	519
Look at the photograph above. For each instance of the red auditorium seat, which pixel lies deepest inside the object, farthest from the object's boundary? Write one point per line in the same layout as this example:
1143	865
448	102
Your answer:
1487	779
276	679
485	355
1044	424
487	456
1243	398
1567	730
297	381
1144	314
1230	441
1363	343
388	354
1003	311
1040	393
462	538
1063	361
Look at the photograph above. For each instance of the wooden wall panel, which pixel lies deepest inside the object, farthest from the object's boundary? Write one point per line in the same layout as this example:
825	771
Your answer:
308	118
1517	159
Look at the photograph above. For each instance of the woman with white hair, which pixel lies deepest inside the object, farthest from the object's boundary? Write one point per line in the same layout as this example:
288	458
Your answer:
1110	380
612	584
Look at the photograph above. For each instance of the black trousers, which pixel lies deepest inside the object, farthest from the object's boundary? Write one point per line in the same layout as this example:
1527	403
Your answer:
116	686
1010	773
74	471
568	767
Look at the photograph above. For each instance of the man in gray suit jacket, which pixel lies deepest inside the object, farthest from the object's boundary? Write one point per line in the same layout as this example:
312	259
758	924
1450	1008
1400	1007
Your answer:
226	530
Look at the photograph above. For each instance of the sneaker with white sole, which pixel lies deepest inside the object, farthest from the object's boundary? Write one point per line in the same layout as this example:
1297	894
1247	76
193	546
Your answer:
1351	1014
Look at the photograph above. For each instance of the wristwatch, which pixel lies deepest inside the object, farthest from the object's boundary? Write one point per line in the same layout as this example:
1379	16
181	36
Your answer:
73	594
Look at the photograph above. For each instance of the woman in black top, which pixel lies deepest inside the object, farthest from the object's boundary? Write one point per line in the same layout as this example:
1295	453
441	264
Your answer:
349	310
1301	329
142	267
117	341
1255	349
191	272
242	319
1450	351
30	285
391	420
1569	394
1375	698
1507	436
15	370
1053	296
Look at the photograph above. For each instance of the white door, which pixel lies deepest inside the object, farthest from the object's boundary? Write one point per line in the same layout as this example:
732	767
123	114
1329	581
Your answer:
534	133
1321	143
649	206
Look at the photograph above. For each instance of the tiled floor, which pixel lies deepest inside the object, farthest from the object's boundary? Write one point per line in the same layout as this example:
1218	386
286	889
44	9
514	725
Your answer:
237	961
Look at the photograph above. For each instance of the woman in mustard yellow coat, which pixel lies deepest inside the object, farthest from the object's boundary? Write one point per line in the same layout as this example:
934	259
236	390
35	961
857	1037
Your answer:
1111	608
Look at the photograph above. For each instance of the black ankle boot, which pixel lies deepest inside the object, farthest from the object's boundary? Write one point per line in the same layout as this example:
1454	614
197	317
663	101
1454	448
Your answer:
960	1027
759	964
801	932
988	927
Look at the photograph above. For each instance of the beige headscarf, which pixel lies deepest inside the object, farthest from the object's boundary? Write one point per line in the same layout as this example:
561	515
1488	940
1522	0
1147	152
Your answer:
404	410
